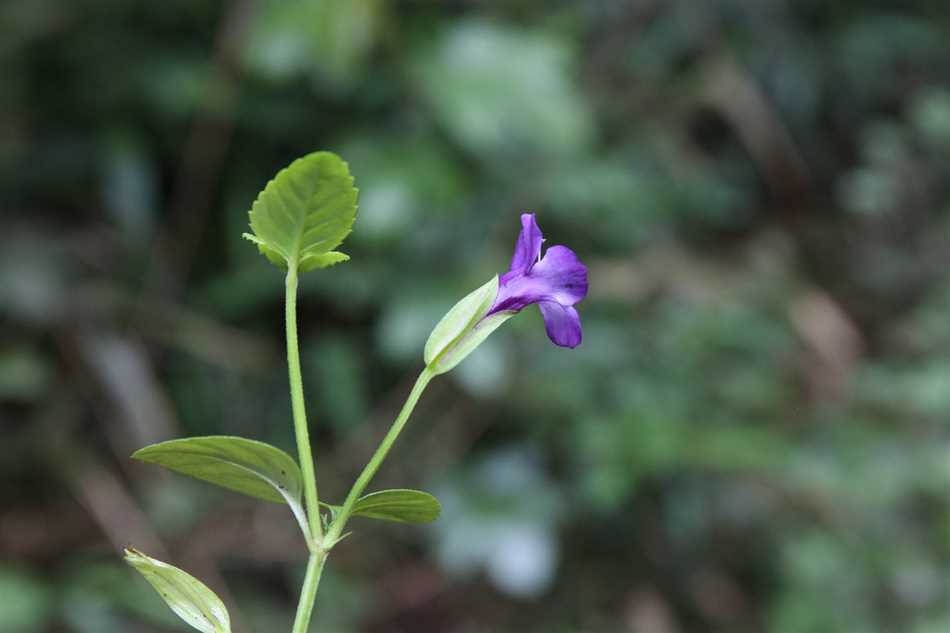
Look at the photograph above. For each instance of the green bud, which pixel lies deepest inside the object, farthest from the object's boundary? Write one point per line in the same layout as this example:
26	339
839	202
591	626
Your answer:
463	329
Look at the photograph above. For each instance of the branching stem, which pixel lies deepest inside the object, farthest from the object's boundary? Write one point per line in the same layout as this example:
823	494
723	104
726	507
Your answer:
319	545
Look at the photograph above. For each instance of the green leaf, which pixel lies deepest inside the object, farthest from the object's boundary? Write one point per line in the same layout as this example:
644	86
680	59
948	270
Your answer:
400	505
248	466
305	212
188	597
321	260
458	321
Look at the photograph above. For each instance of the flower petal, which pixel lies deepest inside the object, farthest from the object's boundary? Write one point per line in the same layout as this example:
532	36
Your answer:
528	247
562	323
562	274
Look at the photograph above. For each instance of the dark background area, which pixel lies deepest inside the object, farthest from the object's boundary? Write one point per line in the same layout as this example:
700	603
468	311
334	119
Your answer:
753	436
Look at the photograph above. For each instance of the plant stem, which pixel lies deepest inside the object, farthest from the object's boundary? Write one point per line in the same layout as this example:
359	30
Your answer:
336	528
309	591
315	538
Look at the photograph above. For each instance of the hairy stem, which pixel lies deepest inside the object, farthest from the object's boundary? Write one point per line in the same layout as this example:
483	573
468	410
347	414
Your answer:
308	593
315	538
336	528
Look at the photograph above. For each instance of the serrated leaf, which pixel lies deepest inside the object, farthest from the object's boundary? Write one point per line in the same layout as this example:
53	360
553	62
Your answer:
187	596
247	466
461	318
322	260
305	212
401	505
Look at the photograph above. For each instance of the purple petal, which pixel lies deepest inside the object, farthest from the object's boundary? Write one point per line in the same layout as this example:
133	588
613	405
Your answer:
562	275
528	248
515	291
562	323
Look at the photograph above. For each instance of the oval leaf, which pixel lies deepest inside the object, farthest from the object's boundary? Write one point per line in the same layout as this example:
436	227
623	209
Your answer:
460	319
400	505
248	466
254	468
187	596
305	212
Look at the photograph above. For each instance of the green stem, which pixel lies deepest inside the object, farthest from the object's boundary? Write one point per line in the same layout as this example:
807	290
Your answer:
336	528
309	592
304	452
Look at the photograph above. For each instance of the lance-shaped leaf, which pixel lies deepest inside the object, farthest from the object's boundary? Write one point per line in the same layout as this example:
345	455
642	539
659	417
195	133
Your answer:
401	505
248	466
187	596
305	212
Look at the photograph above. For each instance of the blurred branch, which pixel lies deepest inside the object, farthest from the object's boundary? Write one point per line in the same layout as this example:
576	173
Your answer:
833	341
201	164
739	100
178	326
112	506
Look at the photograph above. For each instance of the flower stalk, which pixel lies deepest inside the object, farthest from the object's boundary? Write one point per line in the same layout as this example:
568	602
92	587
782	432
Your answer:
335	532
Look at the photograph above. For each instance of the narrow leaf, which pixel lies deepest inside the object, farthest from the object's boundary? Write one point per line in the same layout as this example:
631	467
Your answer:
461	318
305	212
247	466
400	505
187	596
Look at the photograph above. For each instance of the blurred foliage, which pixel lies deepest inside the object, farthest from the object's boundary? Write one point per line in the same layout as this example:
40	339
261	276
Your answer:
754	435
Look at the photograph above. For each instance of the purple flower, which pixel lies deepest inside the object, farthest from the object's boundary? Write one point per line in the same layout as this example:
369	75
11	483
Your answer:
555	282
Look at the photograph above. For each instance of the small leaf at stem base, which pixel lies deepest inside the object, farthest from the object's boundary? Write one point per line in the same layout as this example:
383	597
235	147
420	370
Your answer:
187	596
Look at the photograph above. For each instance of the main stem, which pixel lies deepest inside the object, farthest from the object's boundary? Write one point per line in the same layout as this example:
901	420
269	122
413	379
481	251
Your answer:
309	592
318	555
315	538
336	528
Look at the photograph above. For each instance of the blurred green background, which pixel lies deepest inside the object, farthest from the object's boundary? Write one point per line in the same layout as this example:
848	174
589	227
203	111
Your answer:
753	436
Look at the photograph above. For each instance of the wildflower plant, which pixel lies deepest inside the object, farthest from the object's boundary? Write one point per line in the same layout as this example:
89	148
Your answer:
297	221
